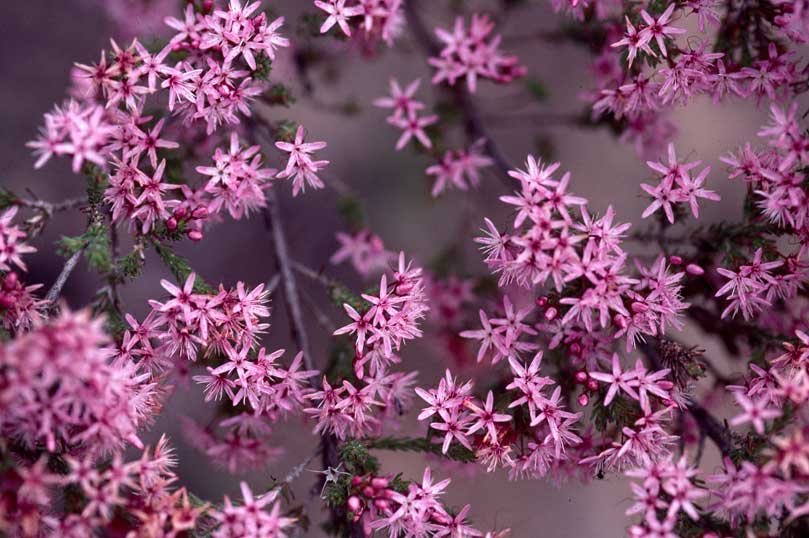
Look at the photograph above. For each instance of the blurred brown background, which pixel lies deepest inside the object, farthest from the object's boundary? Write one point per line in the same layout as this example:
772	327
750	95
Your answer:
39	41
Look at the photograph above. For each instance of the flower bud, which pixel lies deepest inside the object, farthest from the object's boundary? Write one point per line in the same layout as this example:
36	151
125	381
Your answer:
10	282
171	224
381	504
542	301
620	321
675	260
354	503
575	348
200	212
379	482
195	235
581	376
550	314
6	301
180	213
583	399
368	491
356	481
694	269
592	385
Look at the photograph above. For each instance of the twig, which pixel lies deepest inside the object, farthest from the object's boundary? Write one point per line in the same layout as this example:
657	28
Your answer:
296	471
71	263
49	207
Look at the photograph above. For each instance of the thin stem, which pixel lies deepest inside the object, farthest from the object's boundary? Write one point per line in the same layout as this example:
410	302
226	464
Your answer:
71	263
311	274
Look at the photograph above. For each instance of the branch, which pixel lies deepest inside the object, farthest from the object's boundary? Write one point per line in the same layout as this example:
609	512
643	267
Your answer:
272	218
71	263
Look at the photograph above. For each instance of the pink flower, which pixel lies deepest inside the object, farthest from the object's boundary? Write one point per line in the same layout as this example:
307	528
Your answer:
625	380
338	14
755	411
413	126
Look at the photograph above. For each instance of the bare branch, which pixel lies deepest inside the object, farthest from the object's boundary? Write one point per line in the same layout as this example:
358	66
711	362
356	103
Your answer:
71	263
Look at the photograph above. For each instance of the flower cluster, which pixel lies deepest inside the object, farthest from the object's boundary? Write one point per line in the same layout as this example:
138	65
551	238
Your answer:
531	448
19	308
237	181
637	97
212	68
224	327
548	244
251	517
365	250
419	511
12	242
300	166
379	19
666	487
381	323
677	186
62	387
473	53
141	488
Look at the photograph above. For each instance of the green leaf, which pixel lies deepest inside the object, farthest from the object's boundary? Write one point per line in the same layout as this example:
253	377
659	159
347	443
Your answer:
180	268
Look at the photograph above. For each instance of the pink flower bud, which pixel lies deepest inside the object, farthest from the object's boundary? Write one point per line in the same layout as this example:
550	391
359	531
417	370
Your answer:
200	213
575	348
581	376
368	491
675	260
171	224
379	482
550	314
694	269
583	399
542	301
180	213
195	235
620	320
10	282
592	385
382	504
354	503
6	301
356	481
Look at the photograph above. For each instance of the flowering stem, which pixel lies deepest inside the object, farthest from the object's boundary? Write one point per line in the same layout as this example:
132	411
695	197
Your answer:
475	127
708	424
